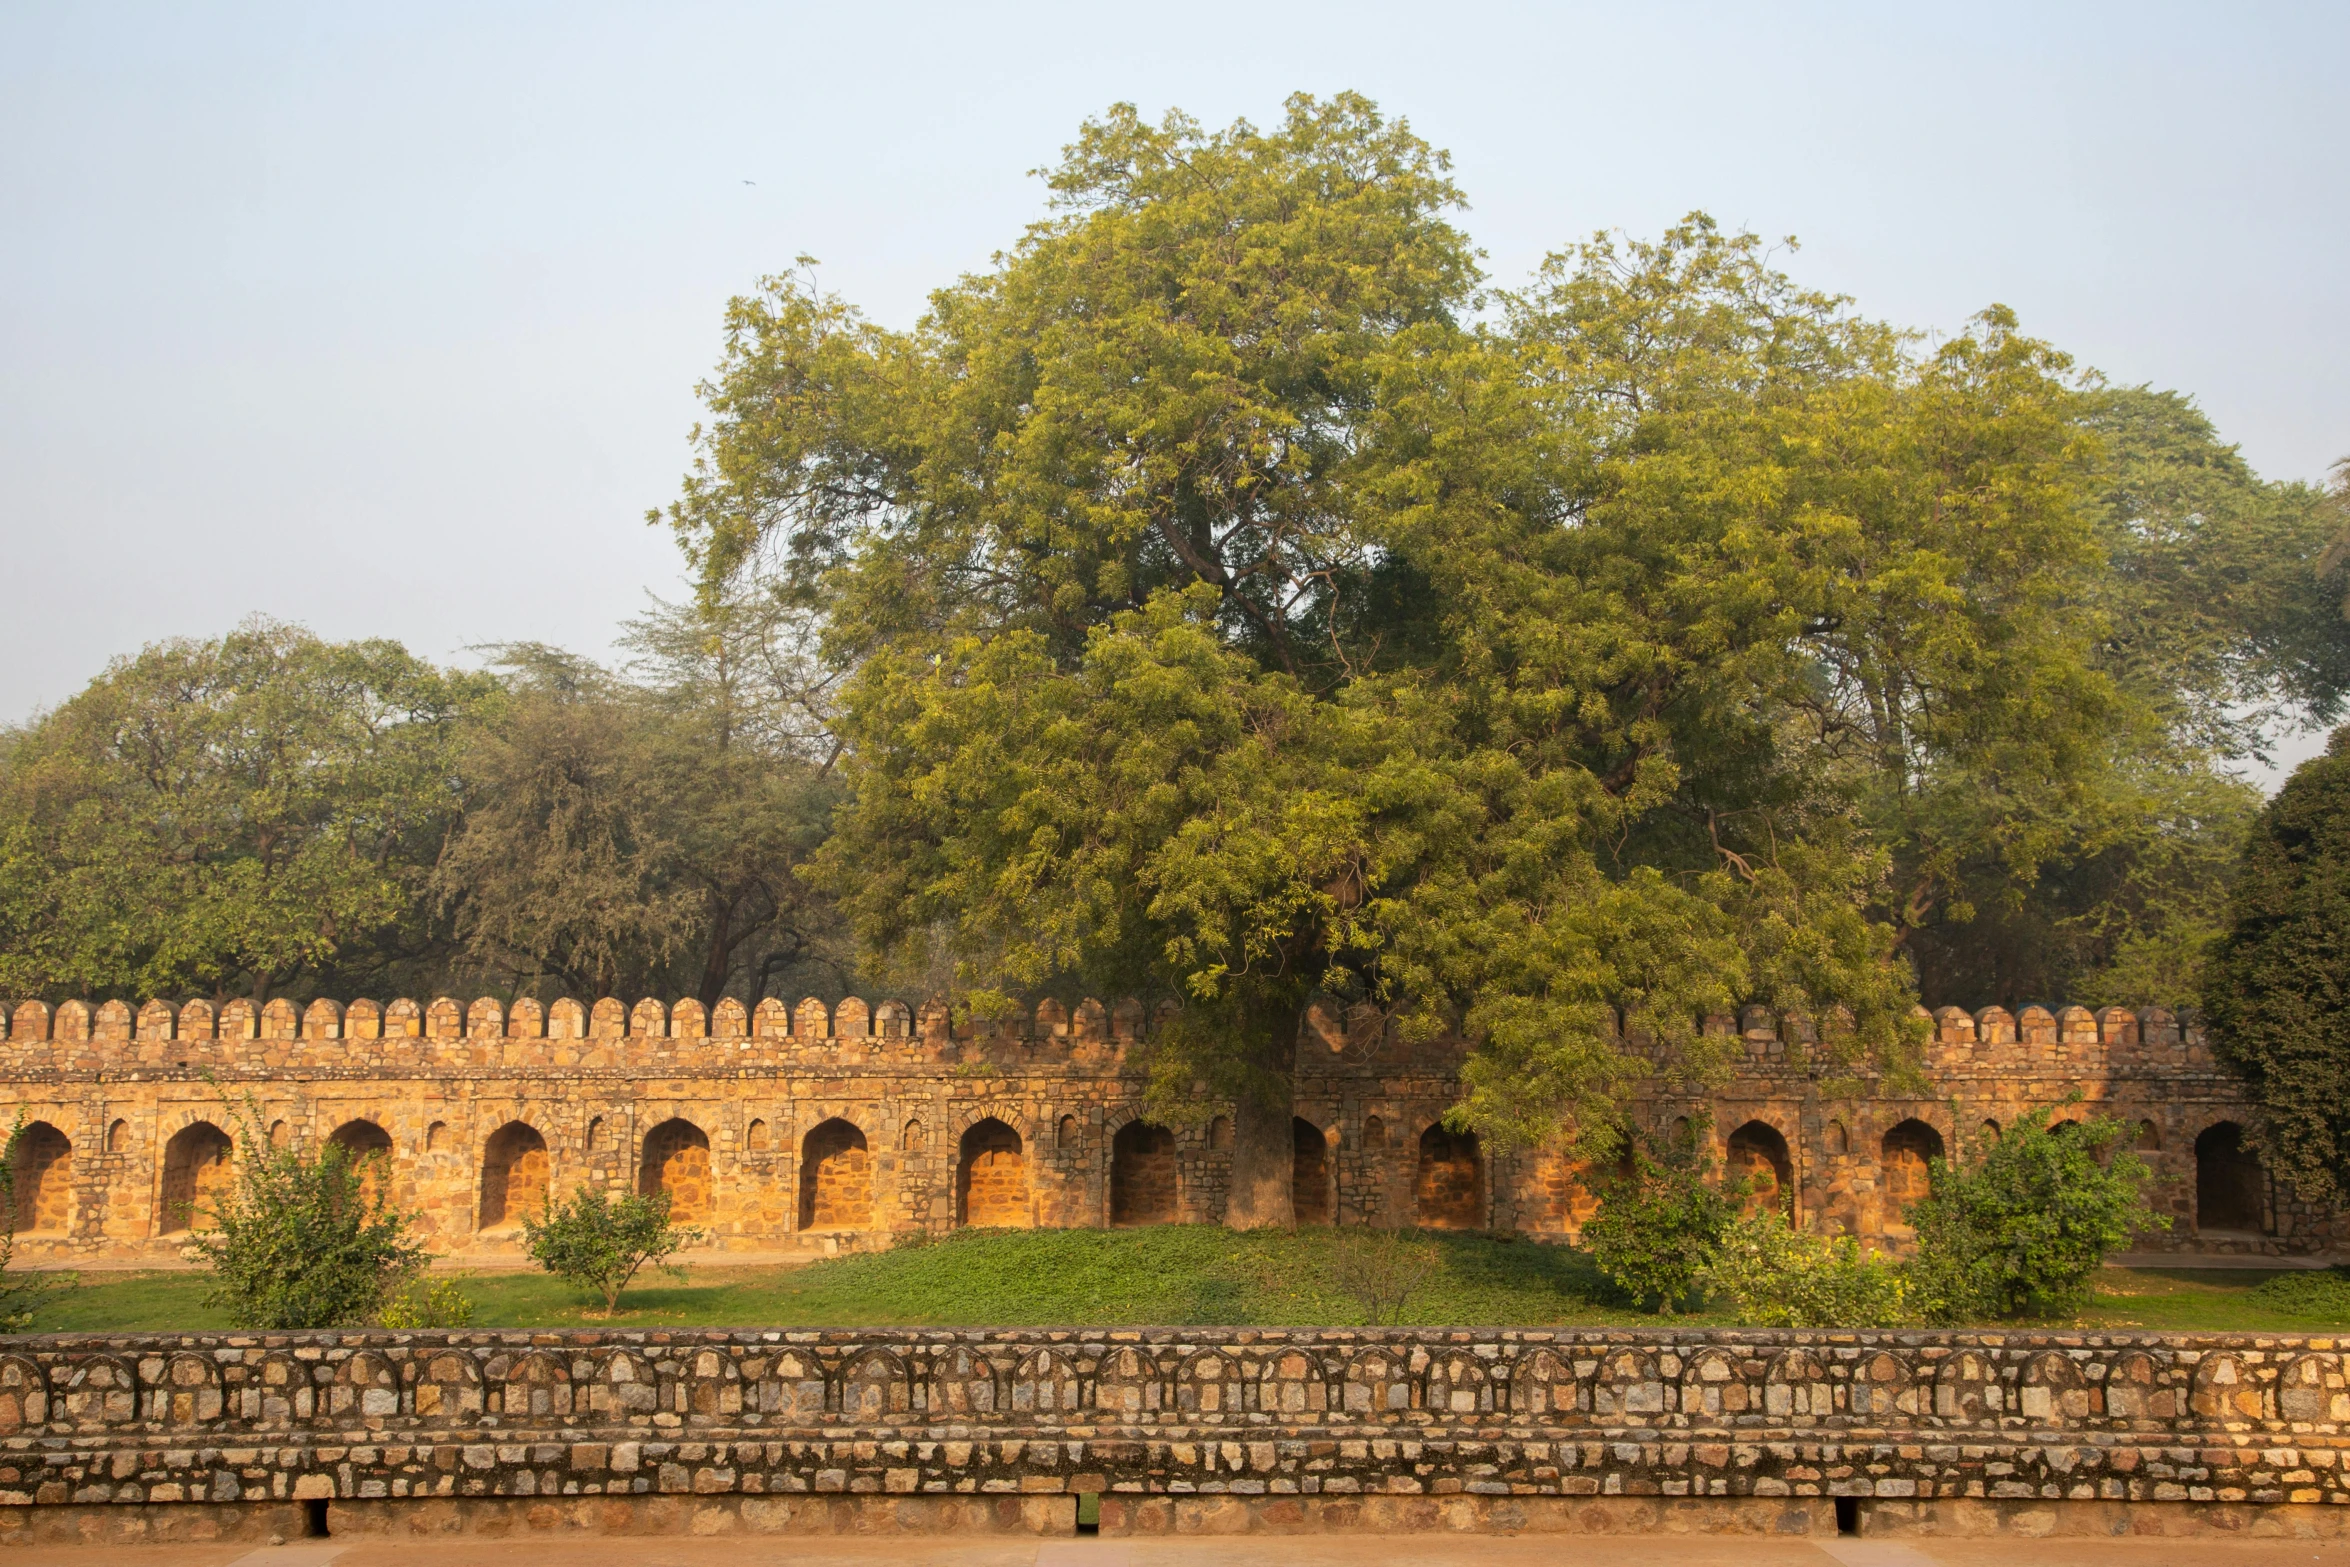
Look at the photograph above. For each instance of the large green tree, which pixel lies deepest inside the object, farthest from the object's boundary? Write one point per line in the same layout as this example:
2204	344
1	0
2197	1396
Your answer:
1239	604
2277	994
252	814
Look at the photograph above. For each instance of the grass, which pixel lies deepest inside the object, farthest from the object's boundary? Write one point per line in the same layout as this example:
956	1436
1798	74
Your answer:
1175	1275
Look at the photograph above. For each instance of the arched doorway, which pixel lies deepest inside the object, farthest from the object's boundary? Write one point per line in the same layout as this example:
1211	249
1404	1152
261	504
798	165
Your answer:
991	1182
196	1174
1758	1156
836	1178
44	1180
1902	1162
513	1176
677	1161
1309	1173
1451	1188
2231	1190
1142	1174
370	1148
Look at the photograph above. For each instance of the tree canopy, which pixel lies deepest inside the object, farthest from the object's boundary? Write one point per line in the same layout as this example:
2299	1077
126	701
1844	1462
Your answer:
1241	601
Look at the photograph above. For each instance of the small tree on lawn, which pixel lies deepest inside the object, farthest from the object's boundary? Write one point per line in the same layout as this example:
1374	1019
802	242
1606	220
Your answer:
598	1241
303	1238
1660	1222
2022	1229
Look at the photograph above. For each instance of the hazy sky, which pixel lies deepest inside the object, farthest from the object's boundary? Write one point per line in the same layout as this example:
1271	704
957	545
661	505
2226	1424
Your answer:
387	320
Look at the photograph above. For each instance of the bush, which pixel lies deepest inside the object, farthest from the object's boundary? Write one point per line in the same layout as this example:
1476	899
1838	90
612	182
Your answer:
426	1302
2315	1292
1381	1269
1771	1277
599	1242
303	1240
1658	1225
2022	1230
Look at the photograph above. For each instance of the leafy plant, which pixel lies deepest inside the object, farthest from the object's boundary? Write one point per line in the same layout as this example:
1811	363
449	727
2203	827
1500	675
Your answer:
2022	1229
1659	1224
303	1239
599	1242
1772	1277
2314	1292
1381	1269
426	1302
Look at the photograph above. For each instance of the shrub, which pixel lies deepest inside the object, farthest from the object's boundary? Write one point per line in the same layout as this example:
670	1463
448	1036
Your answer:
598	1242
1772	1277
426	1302
2314	1292
2023	1229
303	1239
1658	1225
1381	1269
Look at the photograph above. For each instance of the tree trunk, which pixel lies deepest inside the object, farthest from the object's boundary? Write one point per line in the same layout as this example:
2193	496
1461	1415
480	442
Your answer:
1264	1150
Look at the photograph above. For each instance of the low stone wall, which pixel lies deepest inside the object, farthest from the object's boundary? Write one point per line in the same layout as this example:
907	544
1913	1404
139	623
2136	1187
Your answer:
173	1436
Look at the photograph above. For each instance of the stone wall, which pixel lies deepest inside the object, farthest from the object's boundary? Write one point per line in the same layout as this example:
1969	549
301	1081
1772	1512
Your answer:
1757	1430
830	1127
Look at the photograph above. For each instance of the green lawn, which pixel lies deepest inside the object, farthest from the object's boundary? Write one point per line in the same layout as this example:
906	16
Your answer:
1174	1275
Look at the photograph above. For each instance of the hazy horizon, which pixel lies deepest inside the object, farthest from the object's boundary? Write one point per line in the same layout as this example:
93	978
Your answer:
388	323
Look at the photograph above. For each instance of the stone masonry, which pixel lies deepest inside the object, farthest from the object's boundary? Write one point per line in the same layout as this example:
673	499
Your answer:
836	1127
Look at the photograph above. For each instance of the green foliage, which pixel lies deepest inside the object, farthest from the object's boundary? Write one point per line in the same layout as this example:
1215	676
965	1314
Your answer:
426	1301
252	813
22	1295
2277	993
598	1242
1659	1225
1382	1270
2022	1228
303	1238
1769	1276
635	836
2314	1292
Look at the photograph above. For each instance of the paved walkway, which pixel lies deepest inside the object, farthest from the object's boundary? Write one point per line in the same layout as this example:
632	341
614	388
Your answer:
1338	1550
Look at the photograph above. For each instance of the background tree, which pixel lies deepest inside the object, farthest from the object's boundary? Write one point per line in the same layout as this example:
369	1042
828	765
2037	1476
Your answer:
239	816
2277	994
644	836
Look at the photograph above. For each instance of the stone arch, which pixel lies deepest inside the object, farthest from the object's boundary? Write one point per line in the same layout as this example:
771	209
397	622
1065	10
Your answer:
911	1139
2311	1389
677	1161
101	1390
2052	1390
962	1383
874	1388
1374	1134
370	1148
1142	1174
625	1387
24	1394
1376	1382
1043	1384
2132	1393
196	1173
712	1386
534	1385
1458	1384
1450	1191
1758	1155
836	1178
1711	1385
2231	1189
513	1176
991	1177
188	1393
1903	1157
44	1180
1883	1386
2226	1390
118	1136
1066	1132
366	1385
2148	1138
791	1385
1834	1140
1220	1134
893	1020
449	1387
1627	1383
1796	1387
1291	1383
755	1137
1542	1383
1129	1382
1967	1390
1210	1382
1309	1172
